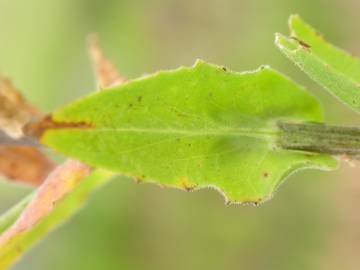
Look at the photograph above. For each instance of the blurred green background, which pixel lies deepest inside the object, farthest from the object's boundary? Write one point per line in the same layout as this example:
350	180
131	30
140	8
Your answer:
311	223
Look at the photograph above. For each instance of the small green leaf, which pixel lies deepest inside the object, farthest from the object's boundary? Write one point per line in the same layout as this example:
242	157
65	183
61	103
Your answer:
191	128
329	66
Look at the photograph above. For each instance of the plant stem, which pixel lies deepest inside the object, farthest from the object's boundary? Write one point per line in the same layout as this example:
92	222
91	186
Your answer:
320	138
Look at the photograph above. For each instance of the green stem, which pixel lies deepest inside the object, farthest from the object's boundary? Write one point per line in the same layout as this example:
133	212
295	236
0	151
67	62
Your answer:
319	138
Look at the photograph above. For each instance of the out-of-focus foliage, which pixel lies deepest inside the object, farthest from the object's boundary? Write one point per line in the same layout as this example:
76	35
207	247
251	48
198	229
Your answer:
129	226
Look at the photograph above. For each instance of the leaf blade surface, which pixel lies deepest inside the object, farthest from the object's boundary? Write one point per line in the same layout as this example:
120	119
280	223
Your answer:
191	128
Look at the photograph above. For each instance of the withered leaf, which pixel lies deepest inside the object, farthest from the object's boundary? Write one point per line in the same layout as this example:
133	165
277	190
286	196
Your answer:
106	73
59	196
15	111
24	164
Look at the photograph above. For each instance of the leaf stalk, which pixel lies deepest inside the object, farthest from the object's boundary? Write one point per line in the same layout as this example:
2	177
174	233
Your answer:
320	138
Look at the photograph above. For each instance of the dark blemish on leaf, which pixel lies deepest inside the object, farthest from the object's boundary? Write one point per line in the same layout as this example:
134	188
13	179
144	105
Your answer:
138	180
139	99
251	202
255	202
130	105
189	144
224	69
186	185
181	114
37	129
265	174
302	43
318	34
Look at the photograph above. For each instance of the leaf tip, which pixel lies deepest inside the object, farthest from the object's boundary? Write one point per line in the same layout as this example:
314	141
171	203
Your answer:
279	40
293	19
297	25
285	44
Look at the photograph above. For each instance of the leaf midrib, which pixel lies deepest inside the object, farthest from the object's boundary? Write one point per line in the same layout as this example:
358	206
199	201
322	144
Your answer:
250	132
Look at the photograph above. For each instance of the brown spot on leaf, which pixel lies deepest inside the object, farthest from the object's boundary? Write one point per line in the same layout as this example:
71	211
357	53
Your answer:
37	129
139	179
252	202
265	174
181	114
302	43
186	184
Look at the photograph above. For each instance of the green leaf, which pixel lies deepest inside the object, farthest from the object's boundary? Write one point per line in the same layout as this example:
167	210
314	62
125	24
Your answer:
329	66
17	238
191	128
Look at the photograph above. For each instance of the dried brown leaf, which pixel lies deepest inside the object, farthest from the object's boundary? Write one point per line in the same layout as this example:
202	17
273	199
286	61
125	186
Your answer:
24	164
63	179
15	111
106	73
